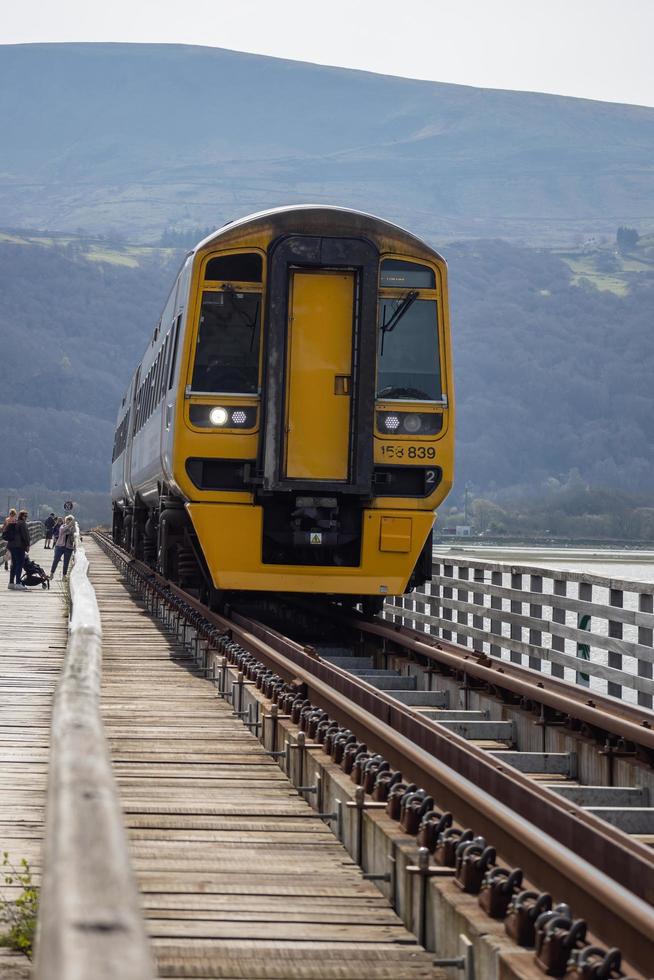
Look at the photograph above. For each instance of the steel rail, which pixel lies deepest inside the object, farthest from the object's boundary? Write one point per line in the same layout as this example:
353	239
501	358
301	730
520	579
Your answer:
531	842
595	710
560	847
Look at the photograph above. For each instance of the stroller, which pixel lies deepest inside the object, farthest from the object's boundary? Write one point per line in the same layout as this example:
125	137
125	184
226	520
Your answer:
33	575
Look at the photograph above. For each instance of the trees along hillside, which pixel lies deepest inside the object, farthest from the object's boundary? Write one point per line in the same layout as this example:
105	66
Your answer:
550	376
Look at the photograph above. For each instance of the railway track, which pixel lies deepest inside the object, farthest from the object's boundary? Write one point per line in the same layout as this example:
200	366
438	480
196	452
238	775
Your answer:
514	827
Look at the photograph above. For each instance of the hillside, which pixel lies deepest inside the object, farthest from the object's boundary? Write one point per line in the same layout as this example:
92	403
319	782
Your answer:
553	375
72	329
136	138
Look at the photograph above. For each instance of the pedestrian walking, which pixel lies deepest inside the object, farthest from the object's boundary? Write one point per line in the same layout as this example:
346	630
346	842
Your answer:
49	527
18	544
64	546
11	518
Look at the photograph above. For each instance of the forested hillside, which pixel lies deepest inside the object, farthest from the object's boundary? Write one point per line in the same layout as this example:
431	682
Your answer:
72	330
551	377
136	137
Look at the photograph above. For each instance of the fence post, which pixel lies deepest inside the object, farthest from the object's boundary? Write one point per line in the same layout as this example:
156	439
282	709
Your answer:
516	607
584	623
616	598
462	596
420	605
398	619
496	624
478	599
558	616
536	612
645	605
446	614
434	604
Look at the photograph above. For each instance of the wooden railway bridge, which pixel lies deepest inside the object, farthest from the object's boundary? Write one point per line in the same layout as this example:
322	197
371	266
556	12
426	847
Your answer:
182	785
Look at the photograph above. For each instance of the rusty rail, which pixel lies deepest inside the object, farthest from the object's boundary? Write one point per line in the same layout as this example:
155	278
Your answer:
595	710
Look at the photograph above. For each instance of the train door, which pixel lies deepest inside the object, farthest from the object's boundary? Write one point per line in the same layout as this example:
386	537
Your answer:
319	375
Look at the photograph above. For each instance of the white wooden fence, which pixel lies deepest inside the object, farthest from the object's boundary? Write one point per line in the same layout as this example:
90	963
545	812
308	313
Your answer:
586	629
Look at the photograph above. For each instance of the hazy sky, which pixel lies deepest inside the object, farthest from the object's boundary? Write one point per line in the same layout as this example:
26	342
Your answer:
597	49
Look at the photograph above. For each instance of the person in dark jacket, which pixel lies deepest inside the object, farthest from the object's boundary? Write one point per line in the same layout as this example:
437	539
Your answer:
64	546
11	518
49	523
18	545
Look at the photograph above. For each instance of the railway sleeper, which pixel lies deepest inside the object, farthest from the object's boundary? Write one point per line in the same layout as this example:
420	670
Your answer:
477	874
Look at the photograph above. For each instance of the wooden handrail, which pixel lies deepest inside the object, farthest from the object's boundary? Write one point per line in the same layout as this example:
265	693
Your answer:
90	920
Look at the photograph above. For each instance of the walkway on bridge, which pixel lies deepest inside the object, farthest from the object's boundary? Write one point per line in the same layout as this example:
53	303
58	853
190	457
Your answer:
238	876
33	634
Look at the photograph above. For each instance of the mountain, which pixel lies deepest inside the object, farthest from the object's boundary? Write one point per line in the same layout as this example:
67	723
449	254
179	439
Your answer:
137	138
155	144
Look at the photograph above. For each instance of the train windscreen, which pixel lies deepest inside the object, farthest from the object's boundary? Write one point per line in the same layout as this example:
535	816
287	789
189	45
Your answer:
408	365
227	352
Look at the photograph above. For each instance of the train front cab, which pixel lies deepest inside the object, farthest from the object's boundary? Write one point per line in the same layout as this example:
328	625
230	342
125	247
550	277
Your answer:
324	475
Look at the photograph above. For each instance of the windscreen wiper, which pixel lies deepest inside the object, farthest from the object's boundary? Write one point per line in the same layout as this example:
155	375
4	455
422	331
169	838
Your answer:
400	310
398	313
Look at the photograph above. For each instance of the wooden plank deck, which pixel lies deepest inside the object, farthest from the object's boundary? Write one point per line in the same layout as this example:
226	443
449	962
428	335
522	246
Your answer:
33	635
238	876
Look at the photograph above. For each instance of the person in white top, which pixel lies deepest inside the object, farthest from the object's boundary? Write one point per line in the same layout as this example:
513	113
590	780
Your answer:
64	546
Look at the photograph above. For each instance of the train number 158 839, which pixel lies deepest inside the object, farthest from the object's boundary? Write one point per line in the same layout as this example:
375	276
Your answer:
408	452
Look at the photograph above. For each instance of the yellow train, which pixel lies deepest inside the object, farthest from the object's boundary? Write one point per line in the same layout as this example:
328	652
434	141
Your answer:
290	427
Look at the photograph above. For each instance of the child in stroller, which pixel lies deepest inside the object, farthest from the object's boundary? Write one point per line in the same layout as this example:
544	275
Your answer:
33	574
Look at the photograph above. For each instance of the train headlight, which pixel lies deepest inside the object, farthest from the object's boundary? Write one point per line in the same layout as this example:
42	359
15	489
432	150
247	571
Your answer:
412	423
228	417
409	423
218	416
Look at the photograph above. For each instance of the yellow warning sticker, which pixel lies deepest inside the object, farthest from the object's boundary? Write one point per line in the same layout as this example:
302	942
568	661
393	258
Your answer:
315	537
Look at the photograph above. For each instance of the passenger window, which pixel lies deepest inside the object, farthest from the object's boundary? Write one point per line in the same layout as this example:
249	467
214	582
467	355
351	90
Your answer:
151	391
227	353
162	373
174	351
157	377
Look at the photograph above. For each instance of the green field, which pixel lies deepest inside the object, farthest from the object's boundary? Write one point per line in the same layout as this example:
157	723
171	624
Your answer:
605	268
93	250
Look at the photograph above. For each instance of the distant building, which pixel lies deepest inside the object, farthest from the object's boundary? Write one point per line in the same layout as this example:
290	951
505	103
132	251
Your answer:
463	530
